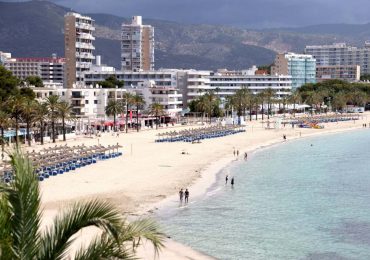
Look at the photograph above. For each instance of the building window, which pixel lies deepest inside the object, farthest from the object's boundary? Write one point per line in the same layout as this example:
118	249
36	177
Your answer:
86	102
95	101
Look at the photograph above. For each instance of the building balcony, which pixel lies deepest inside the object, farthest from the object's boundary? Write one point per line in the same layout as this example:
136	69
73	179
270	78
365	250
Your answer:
83	45
86	36
85	65
85	26
85	55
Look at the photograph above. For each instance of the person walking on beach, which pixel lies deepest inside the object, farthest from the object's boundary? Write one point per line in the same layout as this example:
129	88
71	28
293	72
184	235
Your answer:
284	137
237	153
245	156
226	179
234	152
186	196
181	194
232	182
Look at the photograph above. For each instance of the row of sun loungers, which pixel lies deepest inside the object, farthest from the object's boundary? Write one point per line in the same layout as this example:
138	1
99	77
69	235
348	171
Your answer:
303	122
61	159
192	135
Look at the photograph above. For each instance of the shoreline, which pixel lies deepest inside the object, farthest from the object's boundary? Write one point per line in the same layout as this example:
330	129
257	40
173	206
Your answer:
148	176
209	176
213	172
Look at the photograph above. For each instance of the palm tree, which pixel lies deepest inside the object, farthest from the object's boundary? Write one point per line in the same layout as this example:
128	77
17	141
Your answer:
113	109
52	103
312	99
261	98
295	98
156	109
229	105
127	102
241	99
65	113
15	105
285	100
210	100
201	106
269	94
138	101
28	115
20	224
4	123
339	101
41	116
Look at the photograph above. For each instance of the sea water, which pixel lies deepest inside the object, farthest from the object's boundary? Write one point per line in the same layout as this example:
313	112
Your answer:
305	199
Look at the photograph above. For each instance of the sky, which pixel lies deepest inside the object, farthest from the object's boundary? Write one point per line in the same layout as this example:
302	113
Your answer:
244	13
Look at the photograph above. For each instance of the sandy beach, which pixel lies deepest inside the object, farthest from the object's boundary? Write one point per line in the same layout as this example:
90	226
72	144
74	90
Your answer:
149	175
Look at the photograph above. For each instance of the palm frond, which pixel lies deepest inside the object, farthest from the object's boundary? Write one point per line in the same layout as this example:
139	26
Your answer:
144	228
103	247
5	230
57	239
24	206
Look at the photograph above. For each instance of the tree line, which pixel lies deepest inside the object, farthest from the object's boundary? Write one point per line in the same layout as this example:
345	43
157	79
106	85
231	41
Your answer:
336	94
19	107
128	102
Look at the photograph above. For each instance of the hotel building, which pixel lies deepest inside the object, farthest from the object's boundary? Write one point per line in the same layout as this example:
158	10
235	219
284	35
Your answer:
50	70
137	46
340	54
301	67
350	73
78	46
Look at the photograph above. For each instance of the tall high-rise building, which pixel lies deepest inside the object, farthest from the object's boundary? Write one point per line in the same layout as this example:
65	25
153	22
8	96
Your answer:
78	46
339	54
137	46
301	67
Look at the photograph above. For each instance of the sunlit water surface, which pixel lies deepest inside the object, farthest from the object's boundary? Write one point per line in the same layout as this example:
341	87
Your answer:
305	199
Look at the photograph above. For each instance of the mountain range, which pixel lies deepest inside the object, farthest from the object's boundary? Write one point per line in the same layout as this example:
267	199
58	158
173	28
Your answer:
35	28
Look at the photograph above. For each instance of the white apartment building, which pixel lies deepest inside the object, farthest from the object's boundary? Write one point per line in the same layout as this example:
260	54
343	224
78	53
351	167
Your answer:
50	70
167	96
78	48
339	54
225	83
131	78
137	46
193	83
4	56
87	103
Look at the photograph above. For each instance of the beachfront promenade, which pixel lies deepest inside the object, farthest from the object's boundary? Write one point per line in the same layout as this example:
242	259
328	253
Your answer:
149	172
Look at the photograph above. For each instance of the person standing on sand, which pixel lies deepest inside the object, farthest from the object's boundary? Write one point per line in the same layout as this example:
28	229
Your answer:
245	156
232	182
186	196
226	179
181	194
237	153
234	152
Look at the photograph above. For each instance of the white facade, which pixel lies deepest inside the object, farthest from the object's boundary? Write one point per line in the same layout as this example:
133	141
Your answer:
87	103
193	83
341	54
167	96
131	78
137	46
79	46
50	70
4	56
226	85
